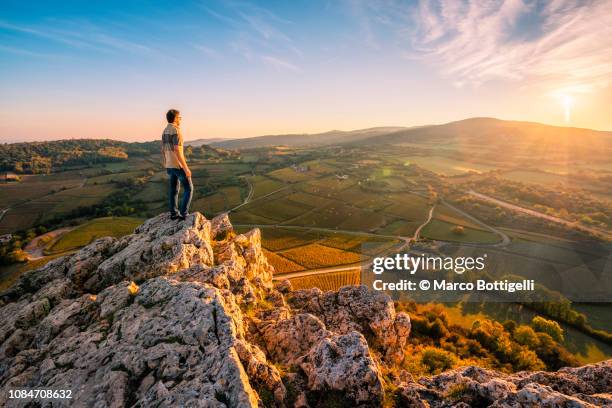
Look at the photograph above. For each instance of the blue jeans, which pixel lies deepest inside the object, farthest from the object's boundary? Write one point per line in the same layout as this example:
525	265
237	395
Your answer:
177	175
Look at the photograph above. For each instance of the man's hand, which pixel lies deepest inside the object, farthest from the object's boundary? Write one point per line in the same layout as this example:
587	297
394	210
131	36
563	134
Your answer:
187	172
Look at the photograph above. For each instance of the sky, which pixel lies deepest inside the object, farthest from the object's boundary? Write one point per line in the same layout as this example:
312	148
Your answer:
111	69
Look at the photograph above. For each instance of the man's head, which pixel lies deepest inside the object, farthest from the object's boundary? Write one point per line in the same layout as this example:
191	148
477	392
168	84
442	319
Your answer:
173	116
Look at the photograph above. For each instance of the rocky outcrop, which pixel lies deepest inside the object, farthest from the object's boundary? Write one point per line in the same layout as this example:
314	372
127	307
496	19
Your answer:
588	386
186	314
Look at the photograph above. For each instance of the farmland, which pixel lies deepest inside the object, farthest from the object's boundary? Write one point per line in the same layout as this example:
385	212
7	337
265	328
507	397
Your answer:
333	206
97	228
328	281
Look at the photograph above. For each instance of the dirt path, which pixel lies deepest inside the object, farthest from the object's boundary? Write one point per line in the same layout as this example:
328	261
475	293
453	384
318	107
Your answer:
417	233
35	248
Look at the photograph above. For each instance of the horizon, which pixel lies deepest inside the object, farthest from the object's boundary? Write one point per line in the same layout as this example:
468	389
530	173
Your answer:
305	133
84	70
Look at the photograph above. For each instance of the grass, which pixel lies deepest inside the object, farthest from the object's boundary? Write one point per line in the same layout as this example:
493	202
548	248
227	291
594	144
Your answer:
332	216
400	227
264	185
328	185
91	230
446	166
318	256
320	167
327	281
310	199
115	177
223	200
282	264
441	230
153	191
451	216
289	175
210	205
359	198
280	209
410	207
534	177
35	186
68	200
363	220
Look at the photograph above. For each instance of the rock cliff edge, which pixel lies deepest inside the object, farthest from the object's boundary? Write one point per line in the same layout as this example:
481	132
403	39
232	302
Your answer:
186	314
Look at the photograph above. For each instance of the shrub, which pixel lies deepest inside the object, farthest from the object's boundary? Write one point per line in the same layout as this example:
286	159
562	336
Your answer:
549	327
526	336
437	360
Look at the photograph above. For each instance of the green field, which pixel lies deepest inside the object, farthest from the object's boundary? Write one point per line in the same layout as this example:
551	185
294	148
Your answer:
264	185
447	166
97	228
289	175
280	209
441	230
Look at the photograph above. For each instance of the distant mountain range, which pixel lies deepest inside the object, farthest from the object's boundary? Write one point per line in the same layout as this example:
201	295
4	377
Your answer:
208	141
481	131
325	138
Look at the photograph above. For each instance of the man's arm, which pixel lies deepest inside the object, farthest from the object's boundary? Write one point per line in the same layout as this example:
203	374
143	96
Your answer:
178	150
180	156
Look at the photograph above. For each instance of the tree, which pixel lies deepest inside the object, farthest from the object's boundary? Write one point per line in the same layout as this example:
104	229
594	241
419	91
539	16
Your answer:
458	230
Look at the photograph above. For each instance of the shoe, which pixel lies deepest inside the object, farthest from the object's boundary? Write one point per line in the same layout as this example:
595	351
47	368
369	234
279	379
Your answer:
174	217
180	217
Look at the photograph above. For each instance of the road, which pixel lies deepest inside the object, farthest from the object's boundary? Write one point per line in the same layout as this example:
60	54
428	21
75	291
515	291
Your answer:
534	213
35	249
505	239
406	241
250	196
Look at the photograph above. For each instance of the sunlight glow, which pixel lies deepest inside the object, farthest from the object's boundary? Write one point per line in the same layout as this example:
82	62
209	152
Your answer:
567	105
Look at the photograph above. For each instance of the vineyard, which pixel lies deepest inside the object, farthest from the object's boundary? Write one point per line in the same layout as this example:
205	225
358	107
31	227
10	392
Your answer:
327	281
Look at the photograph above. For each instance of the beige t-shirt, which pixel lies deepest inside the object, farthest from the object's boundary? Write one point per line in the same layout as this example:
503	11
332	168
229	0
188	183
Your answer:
171	138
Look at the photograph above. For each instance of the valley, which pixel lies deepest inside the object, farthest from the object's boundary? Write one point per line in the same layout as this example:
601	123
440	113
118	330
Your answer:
326	209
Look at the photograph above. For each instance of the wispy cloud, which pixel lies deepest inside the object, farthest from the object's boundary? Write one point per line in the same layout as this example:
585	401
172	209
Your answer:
25	53
560	46
85	37
279	63
209	52
259	35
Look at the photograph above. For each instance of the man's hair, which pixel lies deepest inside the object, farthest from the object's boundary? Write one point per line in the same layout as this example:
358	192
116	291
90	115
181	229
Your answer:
171	115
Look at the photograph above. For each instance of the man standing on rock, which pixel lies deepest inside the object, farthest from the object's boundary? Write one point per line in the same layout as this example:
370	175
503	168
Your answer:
174	161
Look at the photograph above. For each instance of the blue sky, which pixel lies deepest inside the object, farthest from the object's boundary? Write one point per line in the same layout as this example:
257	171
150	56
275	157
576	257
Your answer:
111	68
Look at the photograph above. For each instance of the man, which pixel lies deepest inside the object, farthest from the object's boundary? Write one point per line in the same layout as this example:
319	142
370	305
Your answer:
174	161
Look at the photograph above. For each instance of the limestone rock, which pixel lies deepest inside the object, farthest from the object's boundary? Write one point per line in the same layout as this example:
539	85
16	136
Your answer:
343	363
186	314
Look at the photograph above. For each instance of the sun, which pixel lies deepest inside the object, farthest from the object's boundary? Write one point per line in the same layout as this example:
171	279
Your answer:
567	101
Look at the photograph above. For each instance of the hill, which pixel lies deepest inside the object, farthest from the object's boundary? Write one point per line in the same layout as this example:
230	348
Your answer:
326	138
186	314
44	157
496	134
208	141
